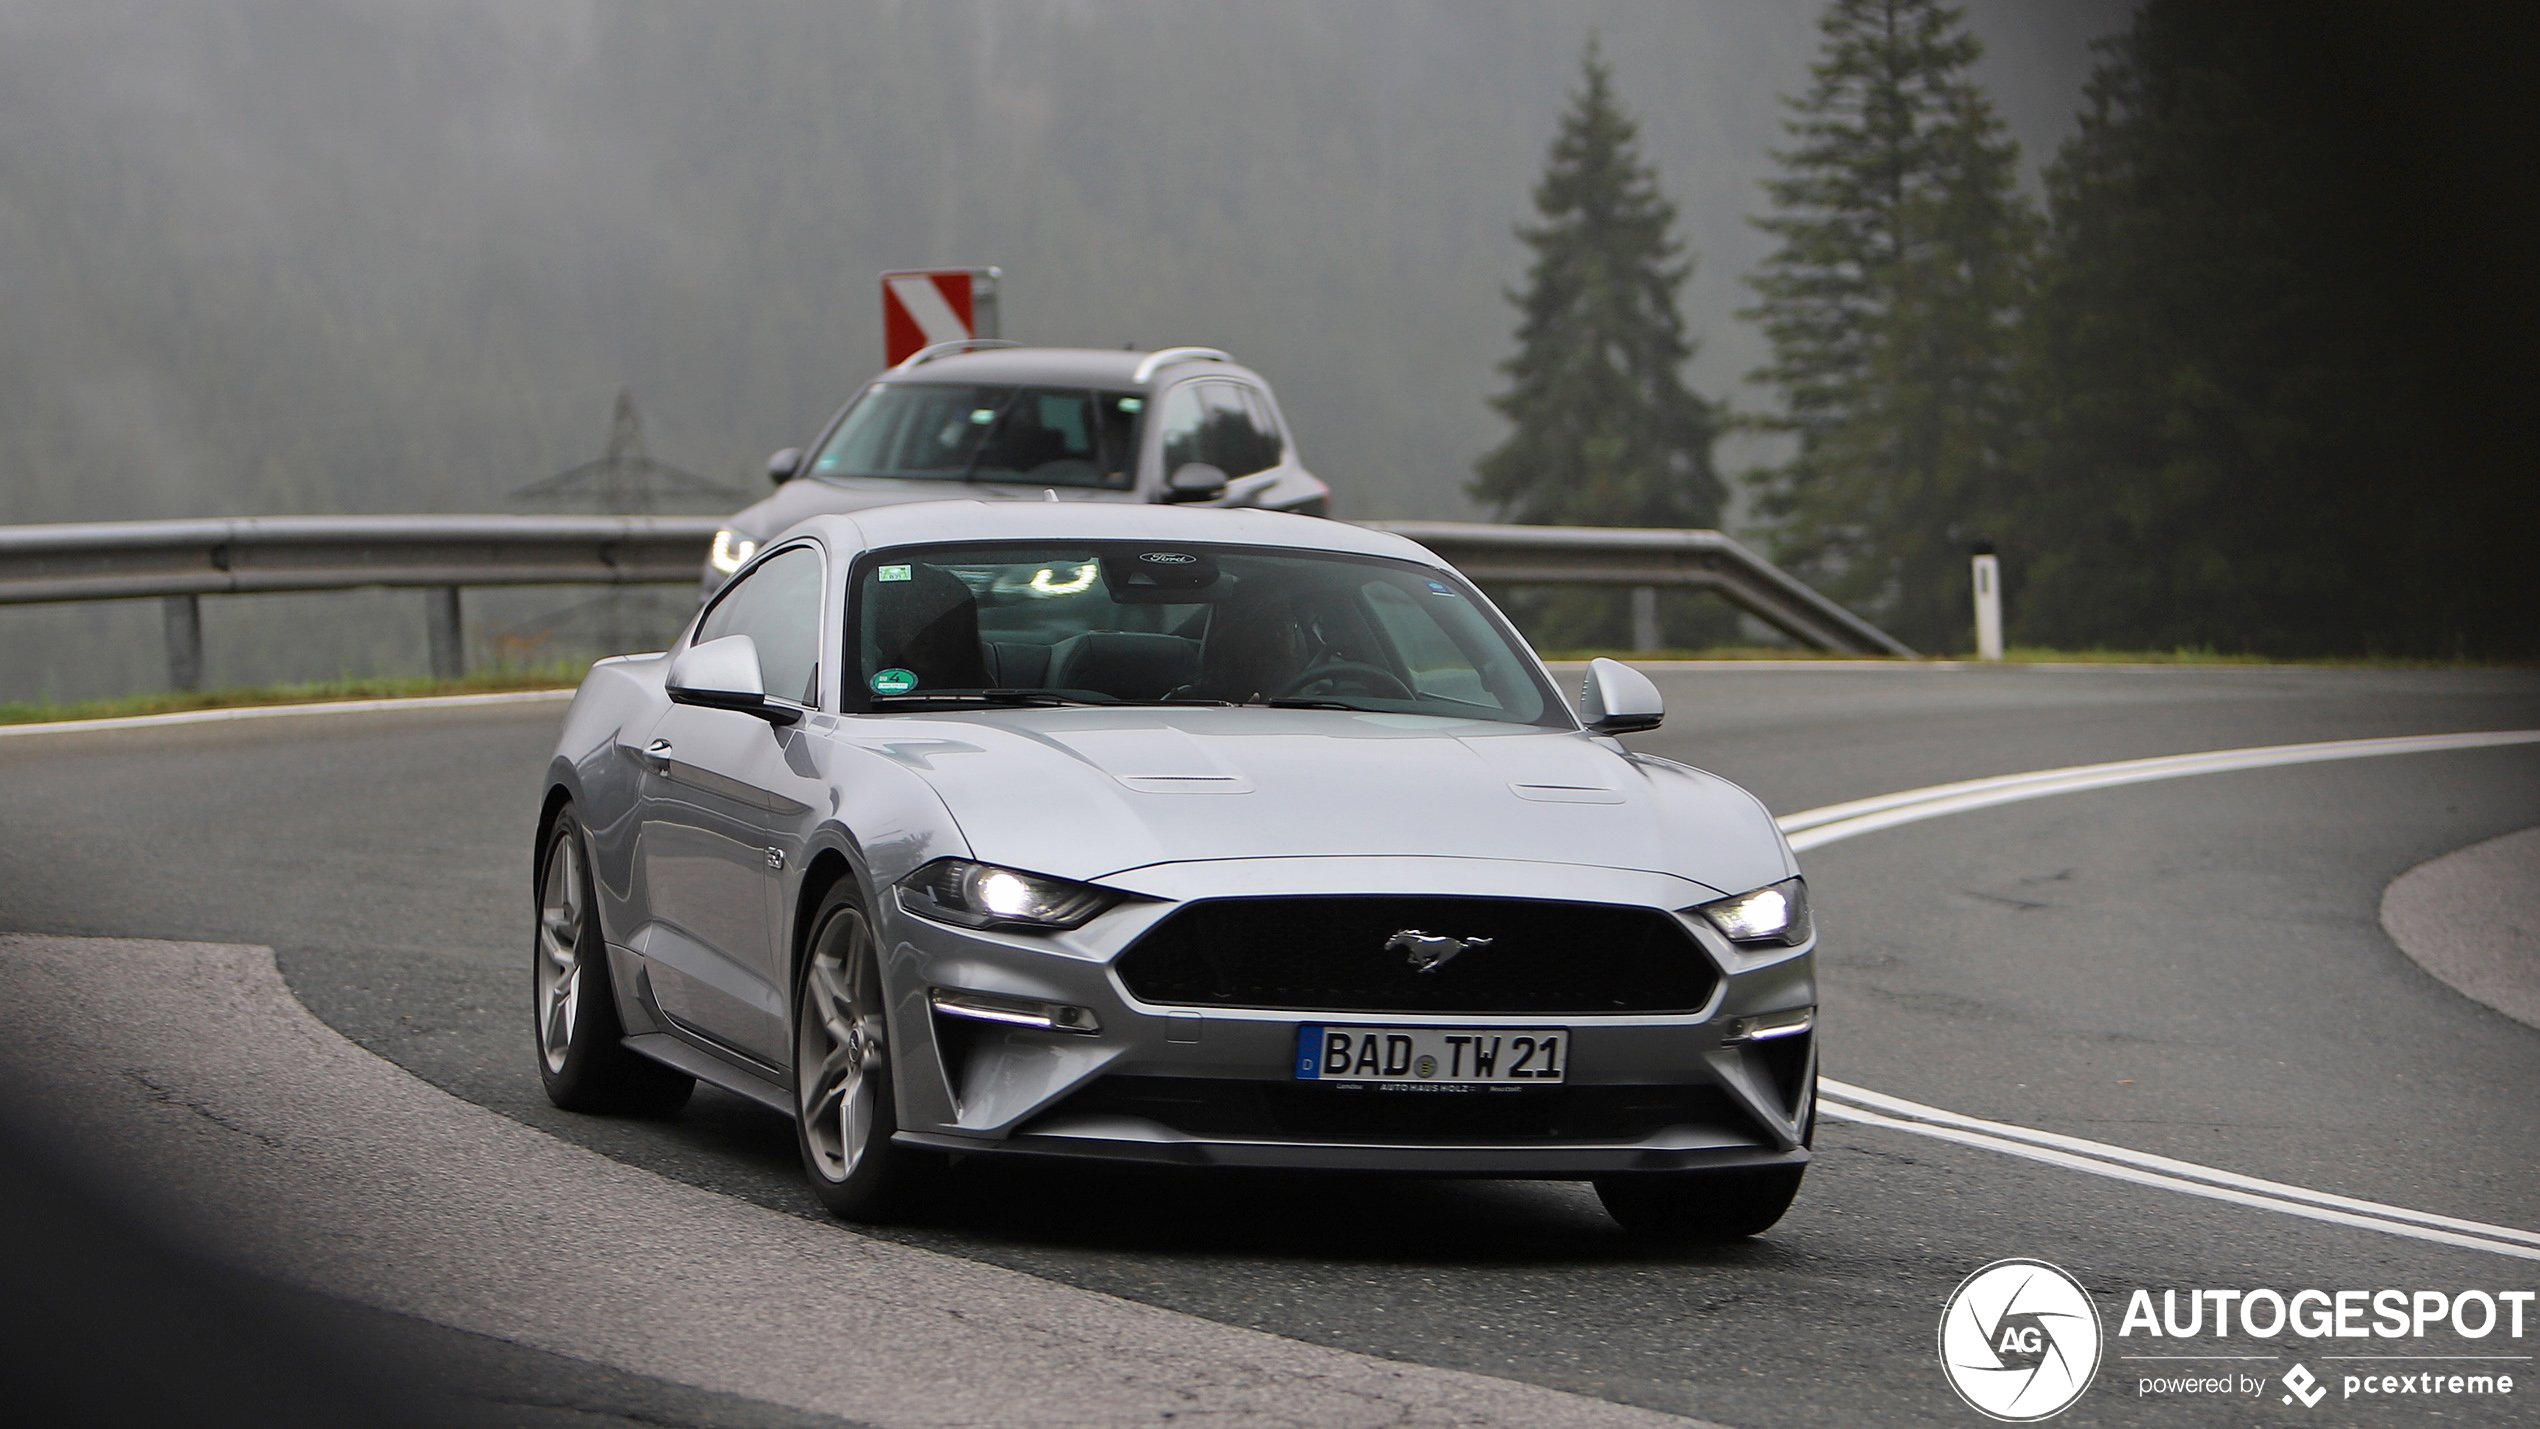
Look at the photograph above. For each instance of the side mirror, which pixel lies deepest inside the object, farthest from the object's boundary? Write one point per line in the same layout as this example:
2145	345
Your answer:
724	675
783	466
1195	481
1617	699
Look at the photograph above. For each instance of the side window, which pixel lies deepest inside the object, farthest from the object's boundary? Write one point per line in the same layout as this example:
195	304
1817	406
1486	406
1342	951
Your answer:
778	607
1223	424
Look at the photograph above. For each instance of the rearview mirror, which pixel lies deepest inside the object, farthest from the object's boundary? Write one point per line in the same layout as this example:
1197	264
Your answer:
1195	481
782	466
724	675
1617	699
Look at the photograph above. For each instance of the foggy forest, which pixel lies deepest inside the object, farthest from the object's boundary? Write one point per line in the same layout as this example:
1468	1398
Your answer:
289	256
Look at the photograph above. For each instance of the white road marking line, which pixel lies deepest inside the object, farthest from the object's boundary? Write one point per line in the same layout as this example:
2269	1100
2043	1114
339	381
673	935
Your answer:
419	702
2117	1172
1811	828
2189	1170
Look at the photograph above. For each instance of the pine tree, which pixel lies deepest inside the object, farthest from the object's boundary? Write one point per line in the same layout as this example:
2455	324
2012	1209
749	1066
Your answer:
2281	383
1891	306
1606	433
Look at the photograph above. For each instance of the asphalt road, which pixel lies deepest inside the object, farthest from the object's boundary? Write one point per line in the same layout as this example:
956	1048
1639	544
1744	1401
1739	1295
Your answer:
2192	968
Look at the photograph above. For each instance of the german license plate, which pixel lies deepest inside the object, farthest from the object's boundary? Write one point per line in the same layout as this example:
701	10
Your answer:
1436	1056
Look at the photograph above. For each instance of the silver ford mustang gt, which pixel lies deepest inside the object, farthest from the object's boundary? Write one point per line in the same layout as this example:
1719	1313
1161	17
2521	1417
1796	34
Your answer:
1166	835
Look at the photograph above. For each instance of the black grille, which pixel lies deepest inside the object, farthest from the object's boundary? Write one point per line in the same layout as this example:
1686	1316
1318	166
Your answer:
1227	1110
1330	955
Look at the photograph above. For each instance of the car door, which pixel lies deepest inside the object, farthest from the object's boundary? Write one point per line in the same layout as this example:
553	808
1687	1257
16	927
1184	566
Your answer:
721	815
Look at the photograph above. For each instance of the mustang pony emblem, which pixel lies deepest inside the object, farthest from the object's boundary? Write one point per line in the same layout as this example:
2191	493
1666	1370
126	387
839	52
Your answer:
1429	952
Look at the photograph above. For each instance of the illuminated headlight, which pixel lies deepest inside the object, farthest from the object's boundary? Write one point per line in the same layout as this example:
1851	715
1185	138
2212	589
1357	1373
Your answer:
730	550
980	895
1775	913
1013	1011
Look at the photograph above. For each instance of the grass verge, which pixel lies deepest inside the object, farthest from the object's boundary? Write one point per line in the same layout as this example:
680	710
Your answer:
540	677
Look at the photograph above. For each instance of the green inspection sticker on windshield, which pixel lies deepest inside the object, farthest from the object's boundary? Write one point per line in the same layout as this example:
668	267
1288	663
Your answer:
894	681
892	573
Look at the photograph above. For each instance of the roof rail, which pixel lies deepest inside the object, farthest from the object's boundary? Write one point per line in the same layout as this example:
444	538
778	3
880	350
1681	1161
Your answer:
1171	355
926	355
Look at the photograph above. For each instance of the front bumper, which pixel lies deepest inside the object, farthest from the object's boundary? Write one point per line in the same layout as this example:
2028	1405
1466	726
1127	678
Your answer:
1214	1086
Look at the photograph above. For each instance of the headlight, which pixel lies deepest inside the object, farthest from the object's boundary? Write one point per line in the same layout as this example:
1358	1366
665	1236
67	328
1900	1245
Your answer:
730	550
980	895
1775	913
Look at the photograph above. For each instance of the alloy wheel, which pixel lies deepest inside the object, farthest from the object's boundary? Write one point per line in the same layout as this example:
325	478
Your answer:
560	915
838	1046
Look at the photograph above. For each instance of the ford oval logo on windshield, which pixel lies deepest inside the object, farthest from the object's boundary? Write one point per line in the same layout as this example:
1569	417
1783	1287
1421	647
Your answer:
1168	558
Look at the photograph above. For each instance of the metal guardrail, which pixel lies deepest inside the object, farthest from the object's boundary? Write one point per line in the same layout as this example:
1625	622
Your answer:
1634	556
181	561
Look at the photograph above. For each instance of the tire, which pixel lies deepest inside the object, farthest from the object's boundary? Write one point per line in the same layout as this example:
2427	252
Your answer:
1701	1205
844	1114
581	1045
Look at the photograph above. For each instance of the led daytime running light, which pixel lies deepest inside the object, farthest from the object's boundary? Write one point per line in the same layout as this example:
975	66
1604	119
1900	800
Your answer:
730	550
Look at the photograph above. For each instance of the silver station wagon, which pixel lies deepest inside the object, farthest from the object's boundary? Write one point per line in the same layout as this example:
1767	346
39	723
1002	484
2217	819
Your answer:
1156	834
997	421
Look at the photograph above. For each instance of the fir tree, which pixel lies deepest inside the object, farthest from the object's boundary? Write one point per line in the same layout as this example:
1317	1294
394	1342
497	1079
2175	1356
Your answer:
1606	433
2280	380
1890	306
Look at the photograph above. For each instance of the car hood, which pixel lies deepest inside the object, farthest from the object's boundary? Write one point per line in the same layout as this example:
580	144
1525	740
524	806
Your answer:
806	497
1087	794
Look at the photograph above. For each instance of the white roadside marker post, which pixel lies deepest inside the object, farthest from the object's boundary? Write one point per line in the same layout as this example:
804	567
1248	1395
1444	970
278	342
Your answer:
1988	581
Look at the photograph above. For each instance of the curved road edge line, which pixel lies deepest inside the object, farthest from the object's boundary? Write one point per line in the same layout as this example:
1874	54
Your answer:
1810	828
2117	1172
415	702
1830	823
2185	1170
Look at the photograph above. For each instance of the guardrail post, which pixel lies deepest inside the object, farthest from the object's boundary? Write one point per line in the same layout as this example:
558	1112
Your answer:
1988	583
184	615
441	622
1645	618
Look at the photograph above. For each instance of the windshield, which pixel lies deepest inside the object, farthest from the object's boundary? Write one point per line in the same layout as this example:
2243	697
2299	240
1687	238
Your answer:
1154	623
1047	436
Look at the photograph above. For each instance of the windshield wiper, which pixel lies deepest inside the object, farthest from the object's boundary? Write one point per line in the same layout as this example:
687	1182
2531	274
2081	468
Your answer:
1284	704
983	697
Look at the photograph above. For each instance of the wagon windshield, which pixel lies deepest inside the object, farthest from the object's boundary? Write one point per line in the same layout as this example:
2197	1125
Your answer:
1102	623
1047	436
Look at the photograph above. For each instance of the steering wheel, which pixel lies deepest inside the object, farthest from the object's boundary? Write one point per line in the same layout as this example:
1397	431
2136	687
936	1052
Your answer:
1374	679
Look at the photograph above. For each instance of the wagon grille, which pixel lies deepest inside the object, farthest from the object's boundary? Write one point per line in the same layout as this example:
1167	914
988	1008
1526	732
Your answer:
1330	955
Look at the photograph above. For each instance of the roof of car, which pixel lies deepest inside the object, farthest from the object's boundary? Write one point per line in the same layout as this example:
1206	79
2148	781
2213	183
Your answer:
913	523
1053	366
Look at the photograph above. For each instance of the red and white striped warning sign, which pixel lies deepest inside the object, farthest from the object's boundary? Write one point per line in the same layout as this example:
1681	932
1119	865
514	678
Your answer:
924	307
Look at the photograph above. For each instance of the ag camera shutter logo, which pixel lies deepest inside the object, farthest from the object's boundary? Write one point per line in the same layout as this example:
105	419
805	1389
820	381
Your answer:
2019	1341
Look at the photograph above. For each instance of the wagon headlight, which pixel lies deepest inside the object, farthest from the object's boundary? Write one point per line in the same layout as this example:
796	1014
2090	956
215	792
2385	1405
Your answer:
982	895
730	550
1775	913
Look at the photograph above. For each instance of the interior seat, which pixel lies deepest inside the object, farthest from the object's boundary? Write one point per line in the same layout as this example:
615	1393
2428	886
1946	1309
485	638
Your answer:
1126	665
